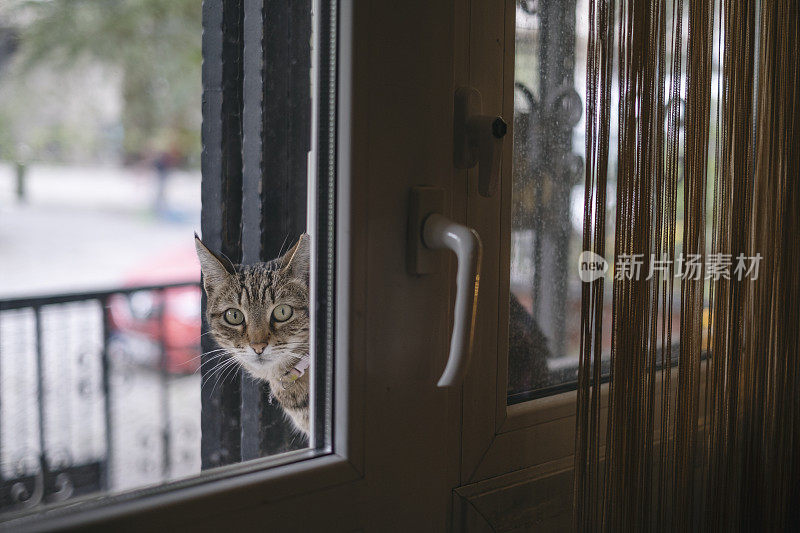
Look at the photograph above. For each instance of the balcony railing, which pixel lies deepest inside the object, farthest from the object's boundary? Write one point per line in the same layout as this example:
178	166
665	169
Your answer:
98	391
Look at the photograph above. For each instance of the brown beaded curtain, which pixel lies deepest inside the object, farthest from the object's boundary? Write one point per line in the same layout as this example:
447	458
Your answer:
698	427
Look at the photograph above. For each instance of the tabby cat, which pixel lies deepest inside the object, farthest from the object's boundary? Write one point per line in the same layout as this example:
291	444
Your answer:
259	315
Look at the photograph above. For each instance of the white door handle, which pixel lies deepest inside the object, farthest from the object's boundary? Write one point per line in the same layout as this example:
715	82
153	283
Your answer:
439	232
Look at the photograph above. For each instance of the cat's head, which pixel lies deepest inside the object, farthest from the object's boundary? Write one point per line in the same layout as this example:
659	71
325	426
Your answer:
259	313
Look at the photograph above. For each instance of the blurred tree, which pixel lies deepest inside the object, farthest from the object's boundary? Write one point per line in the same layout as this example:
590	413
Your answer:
155	45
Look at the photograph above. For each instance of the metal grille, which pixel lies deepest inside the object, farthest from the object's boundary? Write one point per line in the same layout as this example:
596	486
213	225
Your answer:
256	140
91	401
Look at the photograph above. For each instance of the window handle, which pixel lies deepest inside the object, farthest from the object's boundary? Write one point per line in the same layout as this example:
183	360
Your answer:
438	233
478	139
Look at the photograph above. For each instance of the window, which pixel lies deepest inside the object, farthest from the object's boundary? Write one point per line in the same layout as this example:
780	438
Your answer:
107	384
547	196
548	199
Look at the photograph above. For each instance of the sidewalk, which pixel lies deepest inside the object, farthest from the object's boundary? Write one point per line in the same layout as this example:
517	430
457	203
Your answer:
87	228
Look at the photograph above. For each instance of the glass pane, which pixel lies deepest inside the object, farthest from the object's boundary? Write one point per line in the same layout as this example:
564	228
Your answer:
548	195
104	386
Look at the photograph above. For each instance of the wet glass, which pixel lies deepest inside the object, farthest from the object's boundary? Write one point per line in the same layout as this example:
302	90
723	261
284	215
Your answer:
548	197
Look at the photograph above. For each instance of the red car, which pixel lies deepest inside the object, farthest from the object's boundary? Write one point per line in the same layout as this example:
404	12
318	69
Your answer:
139	332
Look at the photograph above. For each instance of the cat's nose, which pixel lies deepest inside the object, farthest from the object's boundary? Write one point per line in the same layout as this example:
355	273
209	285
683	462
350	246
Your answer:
258	347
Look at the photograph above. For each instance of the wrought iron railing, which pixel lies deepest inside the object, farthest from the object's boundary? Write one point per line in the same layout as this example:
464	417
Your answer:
98	391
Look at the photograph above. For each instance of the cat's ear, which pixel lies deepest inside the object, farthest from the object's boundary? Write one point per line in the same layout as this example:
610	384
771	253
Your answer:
298	258
216	268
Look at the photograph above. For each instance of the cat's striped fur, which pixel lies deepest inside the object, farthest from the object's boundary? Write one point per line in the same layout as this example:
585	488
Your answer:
260	291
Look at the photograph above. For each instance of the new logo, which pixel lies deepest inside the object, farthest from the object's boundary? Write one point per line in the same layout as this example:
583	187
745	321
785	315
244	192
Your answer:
591	266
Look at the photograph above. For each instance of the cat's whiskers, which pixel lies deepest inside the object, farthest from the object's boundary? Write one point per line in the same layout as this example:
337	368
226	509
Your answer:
217	374
213	359
210	373
217	363
231	373
280	252
202	354
221	375
202	335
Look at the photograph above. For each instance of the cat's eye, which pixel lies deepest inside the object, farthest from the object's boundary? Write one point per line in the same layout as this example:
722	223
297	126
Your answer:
234	316
282	313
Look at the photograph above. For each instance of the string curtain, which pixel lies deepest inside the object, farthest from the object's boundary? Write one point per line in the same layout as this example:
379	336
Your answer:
692	160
